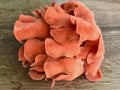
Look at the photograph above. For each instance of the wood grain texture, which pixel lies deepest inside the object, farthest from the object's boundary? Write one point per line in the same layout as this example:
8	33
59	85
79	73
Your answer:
14	77
11	9
107	12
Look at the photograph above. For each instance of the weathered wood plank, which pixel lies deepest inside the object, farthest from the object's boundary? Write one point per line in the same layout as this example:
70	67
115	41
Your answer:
11	9
107	12
14	77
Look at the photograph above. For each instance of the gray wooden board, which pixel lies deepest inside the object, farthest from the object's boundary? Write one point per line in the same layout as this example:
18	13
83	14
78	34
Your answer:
14	77
107	12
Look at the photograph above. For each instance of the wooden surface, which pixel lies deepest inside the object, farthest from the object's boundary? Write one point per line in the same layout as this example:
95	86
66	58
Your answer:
14	77
107	12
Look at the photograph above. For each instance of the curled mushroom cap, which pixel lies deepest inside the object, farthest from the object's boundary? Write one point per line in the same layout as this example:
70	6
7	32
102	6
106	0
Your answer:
28	27
57	50
70	67
63	68
67	34
37	71
60	42
32	48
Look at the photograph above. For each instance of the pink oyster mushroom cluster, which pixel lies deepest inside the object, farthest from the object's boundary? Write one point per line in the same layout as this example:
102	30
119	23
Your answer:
60	42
